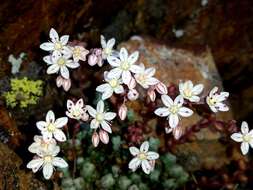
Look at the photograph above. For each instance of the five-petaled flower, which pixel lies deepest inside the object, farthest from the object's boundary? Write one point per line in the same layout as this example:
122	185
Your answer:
77	110
245	137
173	110
60	62
52	128
215	100
101	118
189	91
124	65
143	158
57	44
40	144
47	160
111	85
79	53
145	77
107	47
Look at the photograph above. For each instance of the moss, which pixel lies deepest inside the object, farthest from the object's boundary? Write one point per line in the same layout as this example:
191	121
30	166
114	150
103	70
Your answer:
24	92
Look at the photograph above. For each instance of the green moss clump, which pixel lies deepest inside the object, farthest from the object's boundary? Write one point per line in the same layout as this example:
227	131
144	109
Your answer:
24	92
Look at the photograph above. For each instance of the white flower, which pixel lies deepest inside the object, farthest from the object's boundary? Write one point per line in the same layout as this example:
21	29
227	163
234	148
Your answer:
57	44
79	53
124	65
107	47
40	145
142	158
214	100
52	128
111	85
77	110
101	118
173	110
245	137
145	77
189	91
59	62
47	160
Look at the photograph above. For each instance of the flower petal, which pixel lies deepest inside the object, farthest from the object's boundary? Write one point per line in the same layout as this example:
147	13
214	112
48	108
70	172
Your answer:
107	94
113	61
53	69
134	164
194	99
56	55
115	73
41	125
100	106
48	59
152	155
179	100
64	72
91	111
106	126
60	122
79	103
72	65
237	137
133	57
126	77
109	116
146	167
53	35
144	146
162	112
167	101
123	54
47	170
94	124
185	112
102	41
47	46
152	81
35	164
244	127
110	43
173	120
136	69
59	135
47	136
119	89
244	148
198	89
70	105
150	71
59	162
134	151
50	118
103	87
64	39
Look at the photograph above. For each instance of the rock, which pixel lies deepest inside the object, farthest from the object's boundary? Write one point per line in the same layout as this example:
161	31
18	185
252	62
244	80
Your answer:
11	176
174	65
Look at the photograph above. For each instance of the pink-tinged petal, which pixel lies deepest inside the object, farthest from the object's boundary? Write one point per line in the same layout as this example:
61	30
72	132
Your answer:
94	124
110	43
161	88
47	46
152	155
244	128
123	54
115	73
178	132
79	103
144	146
106	126
100	106
64	39
222	107
167	101
134	151
152	81
122	112
107	94
133	57
113	61
134	164
66	84
109	116
237	137
59	162
126	77
53	35
245	148
61	122
150	71
185	112
91	111
173	120
162	112
146	167
198	89
53	69
72	65
179	100
50	118
132	83
136	69
70	105
47	170
64	72
103	87
119	89
59	81
41	125
151	94
48	59
59	135
103	135
35	164
95	139
92	60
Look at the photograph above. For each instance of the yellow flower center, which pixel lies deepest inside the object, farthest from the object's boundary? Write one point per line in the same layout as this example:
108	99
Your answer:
188	92
48	159
125	66
247	138
211	101
142	156
100	117
61	61
107	51
113	83
77	52
174	109
51	127
76	113
58	46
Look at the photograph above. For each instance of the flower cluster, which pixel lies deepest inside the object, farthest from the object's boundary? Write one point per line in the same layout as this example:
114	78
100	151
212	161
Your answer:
45	146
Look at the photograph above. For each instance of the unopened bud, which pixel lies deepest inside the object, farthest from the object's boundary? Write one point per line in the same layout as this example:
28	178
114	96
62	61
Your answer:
66	84
104	137
92	60
132	95
151	94
122	112
95	139
161	88
178	132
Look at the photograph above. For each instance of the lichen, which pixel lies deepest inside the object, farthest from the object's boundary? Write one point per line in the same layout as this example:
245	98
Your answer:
24	92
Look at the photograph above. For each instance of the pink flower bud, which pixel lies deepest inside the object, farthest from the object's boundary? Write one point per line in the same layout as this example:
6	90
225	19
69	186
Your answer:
151	94
122	112
132	83
152	164
92	60
59	81
97	51
132	94
95	139
104	137
100	61
66	84
177	132
161	88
